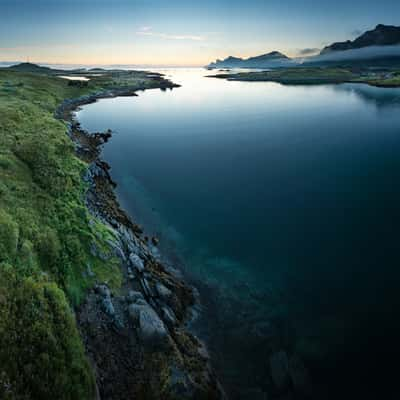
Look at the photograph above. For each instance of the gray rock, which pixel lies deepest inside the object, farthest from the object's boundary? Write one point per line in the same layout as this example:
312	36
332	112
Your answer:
117	249
169	316
141	302
134	312
108	306
103	290
163	291
136	262
133	296
151	329
279	366
146	287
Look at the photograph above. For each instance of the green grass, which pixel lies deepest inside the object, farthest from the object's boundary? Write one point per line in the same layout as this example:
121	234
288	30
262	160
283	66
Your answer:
45	239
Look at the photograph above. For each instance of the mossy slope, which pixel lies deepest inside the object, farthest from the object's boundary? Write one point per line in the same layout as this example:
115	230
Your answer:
47	239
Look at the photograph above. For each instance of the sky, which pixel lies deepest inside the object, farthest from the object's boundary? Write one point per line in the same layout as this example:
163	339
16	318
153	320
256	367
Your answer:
179	32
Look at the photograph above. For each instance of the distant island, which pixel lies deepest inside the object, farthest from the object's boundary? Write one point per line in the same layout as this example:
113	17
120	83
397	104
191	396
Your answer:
270	60
381	45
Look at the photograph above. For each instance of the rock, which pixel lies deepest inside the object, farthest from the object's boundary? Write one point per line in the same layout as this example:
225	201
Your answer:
117	249
299	376
108	306
180	385
133	296
103	290
169	316
134	312
151	329
155	241
146	287
163	291
136	262
279	366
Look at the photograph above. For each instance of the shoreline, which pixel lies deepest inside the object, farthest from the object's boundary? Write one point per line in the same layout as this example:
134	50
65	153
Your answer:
161	295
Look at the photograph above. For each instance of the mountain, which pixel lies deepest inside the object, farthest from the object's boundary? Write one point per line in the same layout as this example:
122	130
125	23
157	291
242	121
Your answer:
382	35
32	68
269	60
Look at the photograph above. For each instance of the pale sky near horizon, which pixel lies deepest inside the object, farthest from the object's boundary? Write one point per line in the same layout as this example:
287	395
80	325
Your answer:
179	32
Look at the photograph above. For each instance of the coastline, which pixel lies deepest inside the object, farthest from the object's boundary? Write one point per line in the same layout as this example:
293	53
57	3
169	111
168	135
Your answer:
147	319
308	77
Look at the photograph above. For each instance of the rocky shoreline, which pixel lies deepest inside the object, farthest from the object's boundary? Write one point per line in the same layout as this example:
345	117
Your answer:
136	338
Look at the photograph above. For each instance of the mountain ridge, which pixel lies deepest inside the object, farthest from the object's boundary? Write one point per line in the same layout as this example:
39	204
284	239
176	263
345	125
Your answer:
381	35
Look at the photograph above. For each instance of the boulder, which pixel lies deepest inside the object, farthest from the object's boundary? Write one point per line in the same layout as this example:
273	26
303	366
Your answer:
279	367
151	329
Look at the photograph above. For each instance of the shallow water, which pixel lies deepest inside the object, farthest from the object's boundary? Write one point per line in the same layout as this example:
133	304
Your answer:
283	204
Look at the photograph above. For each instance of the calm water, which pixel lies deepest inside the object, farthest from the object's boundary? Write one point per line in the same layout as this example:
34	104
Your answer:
283	203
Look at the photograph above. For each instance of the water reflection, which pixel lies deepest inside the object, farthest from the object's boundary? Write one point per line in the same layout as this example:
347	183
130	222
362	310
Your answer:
380	97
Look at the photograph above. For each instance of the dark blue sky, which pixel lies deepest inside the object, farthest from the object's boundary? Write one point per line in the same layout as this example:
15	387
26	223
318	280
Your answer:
178	31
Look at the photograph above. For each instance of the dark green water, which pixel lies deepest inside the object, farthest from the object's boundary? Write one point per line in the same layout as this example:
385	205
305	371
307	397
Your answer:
283	203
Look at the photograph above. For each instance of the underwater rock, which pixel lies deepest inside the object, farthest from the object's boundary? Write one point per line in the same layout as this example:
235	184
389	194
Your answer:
279	366
299	375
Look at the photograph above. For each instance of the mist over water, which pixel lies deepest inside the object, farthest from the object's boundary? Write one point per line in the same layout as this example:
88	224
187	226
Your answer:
282	202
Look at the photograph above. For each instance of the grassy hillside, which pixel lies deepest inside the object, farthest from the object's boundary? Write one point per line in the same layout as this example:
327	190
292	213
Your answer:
49	244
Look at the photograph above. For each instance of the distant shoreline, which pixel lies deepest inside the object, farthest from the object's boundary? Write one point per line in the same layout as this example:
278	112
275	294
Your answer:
317	76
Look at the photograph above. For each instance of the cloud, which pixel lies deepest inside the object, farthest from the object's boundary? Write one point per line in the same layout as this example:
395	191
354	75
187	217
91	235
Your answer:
363	53
308	51
147	31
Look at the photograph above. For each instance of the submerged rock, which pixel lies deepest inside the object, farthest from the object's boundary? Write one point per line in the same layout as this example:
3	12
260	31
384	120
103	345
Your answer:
299	375
279	366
